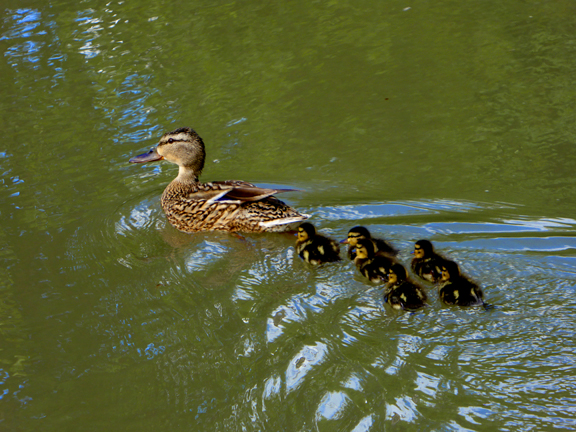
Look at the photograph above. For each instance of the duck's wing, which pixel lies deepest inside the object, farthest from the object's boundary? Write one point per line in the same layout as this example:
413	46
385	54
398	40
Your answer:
253	193
244	191
232	191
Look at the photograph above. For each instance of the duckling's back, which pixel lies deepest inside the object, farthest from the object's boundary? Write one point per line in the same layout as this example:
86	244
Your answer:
319	250
461	292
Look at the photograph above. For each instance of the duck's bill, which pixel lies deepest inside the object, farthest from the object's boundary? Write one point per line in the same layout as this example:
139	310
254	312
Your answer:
150	156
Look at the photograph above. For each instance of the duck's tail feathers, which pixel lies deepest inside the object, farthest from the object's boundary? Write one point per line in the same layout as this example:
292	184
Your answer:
284	221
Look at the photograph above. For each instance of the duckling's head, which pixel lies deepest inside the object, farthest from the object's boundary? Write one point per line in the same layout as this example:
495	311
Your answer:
450	270
364	249
182	146
356	233
422	249
306	231
396	274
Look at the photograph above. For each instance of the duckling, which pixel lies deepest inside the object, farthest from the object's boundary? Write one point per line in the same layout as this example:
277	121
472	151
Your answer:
381	247
400	292
426	263
374	267
230	205
315	248
457	289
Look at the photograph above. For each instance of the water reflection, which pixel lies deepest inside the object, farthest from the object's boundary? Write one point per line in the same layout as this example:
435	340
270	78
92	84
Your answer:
364	425
303	363
272	387
25	22
332	405
404	409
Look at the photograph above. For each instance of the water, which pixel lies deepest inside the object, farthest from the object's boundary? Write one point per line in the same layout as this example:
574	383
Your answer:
438	121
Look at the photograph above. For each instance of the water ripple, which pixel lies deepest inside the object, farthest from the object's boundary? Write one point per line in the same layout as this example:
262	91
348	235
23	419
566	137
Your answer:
321	339
303	363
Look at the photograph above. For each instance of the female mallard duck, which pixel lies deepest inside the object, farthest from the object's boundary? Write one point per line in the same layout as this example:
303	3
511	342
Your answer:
230	205
400	292
374	267
315	248
426	263
381	247
457	289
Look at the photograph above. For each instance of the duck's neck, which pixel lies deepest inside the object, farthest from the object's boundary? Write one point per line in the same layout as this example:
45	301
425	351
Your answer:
186	175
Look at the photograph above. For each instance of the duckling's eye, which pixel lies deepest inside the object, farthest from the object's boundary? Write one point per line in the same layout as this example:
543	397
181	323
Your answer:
170	140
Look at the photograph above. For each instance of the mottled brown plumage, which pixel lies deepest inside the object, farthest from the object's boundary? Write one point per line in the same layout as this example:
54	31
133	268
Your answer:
230	205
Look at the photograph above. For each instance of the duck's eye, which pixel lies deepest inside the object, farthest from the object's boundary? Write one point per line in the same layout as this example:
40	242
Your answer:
170	140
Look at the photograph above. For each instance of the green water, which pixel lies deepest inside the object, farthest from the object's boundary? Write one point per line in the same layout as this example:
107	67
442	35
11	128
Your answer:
448	121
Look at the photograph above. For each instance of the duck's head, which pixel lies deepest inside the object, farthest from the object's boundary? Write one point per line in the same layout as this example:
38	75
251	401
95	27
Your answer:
450	270
356	233
422	249
396	274
182	146
364	249
306	231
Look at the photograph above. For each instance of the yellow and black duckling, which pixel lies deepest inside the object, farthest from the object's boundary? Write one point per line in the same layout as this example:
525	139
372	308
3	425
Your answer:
230	205
374	267
400	292
426	263
381	247
315	248
457	289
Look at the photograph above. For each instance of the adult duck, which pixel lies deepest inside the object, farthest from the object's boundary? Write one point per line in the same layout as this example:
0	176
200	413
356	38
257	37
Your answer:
230	205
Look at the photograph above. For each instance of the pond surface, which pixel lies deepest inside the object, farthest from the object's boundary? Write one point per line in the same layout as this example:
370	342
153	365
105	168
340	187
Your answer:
418	120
